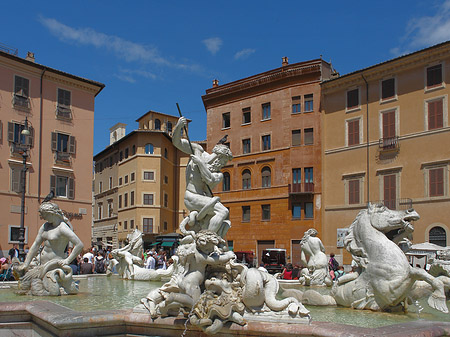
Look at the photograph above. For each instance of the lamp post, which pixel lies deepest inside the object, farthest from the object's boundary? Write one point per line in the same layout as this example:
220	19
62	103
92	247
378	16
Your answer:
24	148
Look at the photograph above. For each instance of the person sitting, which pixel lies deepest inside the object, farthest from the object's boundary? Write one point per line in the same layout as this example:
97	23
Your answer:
5	270
296	272
338	273
287	272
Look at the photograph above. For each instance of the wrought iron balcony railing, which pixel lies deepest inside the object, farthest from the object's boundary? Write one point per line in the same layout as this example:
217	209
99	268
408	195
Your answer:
63	112
301	188
389	143
63	158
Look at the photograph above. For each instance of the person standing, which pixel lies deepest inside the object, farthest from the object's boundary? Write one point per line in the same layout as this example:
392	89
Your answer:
90	255
13	252
86	267
150	262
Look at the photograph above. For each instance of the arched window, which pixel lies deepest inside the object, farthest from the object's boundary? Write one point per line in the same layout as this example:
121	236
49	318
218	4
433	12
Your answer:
149	148
266	176
157	124
246	180
169	126
438	236
226	182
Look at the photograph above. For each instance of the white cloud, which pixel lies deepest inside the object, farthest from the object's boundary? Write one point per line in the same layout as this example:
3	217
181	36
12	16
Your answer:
129	75
244	53
128	50
425	31
213	44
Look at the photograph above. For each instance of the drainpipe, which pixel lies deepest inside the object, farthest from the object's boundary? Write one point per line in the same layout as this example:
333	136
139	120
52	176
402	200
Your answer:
41	117
367	138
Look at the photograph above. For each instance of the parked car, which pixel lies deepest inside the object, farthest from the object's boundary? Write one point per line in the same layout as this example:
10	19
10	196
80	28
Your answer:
246	257
274	259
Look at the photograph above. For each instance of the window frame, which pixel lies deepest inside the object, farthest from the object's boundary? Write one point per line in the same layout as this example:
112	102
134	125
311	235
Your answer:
308	103
246	145
444	99
353	107
24	99
266	179
264	143
149	149
226	120
388	98
347	130
246	213
427	167
148	225
150	197
63	110
246	114
296	104
442	74
310	133
226	181
246	181
265	212
297	138
266	111
10	240
151	173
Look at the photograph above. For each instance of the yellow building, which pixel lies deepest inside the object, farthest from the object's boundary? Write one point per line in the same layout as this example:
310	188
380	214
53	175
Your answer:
139	182
385	138
59	110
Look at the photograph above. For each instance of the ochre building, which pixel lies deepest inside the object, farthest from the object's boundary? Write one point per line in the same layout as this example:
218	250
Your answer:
272	186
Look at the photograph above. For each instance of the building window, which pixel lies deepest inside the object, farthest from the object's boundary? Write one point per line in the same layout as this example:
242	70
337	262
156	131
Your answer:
266	142
226	181
353	99
225	120
246	116
296	179
99	211
438	236
63	144
169	126
120	181
266	176
100	187
63	186
388	89
21	92
110	183
309	136
165	226
246	180
266	111
133	150
63	109
149	148
296	137
388	120
166	153
125	225
434	76
120	201
148	199
166	179
131	224
147	225
16	179
245	213
436	179
110	208
353	192
246	148
14	234
149	175
309	179
265	209
126	153
132	198
309	103
15	135
121	156
353	132
157	124
309	210
435	111
125	200
296	104
166	200
126	179
132	177
296	210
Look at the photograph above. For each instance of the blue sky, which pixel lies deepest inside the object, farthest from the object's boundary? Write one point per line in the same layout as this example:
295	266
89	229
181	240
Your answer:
153	54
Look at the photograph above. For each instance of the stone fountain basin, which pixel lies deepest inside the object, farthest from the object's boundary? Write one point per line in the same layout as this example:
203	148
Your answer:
104	307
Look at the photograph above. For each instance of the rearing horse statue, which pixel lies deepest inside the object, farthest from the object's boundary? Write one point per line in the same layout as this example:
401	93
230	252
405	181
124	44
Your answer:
385	276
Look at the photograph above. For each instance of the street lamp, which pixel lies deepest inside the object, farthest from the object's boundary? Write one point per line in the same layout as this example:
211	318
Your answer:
24	149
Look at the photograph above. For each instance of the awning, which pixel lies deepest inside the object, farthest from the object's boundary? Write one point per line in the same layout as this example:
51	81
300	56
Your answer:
156	243
167	244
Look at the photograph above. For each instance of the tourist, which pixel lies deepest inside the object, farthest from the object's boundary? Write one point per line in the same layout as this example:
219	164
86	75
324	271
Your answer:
13	252
338	273
86	267
161	260
287	272
296	272
74	263
100	263
150	263
333	266
90	255
5	270
262	268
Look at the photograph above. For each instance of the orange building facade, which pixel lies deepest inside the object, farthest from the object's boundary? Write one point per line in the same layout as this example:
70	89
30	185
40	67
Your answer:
385	139
59	110
272	186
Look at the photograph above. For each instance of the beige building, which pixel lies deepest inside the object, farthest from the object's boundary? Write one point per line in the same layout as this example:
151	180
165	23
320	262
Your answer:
139	182
385	138
59	110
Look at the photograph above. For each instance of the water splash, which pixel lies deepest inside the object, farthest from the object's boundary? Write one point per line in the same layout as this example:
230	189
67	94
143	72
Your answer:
418	307
186	321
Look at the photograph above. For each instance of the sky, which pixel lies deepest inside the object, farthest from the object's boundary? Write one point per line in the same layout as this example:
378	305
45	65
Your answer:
154	54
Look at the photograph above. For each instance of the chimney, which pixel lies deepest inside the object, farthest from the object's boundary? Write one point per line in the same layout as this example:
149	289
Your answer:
215	83
284	61
30	56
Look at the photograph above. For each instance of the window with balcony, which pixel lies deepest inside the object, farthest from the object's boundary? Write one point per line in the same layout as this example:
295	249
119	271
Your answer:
64	146
246	180
296	104
266	176
265	210
309	136
296	137
245	213
147	225
63	108
226	181
309	179
388	89
296	179
21	98
266	144
226	120
246	116
266	114
246	146
435	113
149	148
353	135
389	140
353	99
309	103
434	76
62	186
390	191
148	199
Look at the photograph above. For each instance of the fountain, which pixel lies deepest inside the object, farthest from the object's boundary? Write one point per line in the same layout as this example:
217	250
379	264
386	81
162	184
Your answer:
209	293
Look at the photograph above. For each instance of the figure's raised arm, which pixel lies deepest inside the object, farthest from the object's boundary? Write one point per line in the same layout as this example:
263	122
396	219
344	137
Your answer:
183	144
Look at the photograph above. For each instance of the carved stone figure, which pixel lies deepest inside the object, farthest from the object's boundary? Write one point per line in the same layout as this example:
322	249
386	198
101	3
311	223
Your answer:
46	269
386	277
202	175
313	256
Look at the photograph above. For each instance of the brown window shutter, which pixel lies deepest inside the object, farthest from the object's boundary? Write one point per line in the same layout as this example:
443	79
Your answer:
72	144
10	132
31	137
53	184
71	189
54	141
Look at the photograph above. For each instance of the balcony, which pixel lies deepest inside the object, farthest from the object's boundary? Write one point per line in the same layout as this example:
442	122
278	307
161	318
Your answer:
63	158
21	102
389	143
17	148
301	188
64	112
